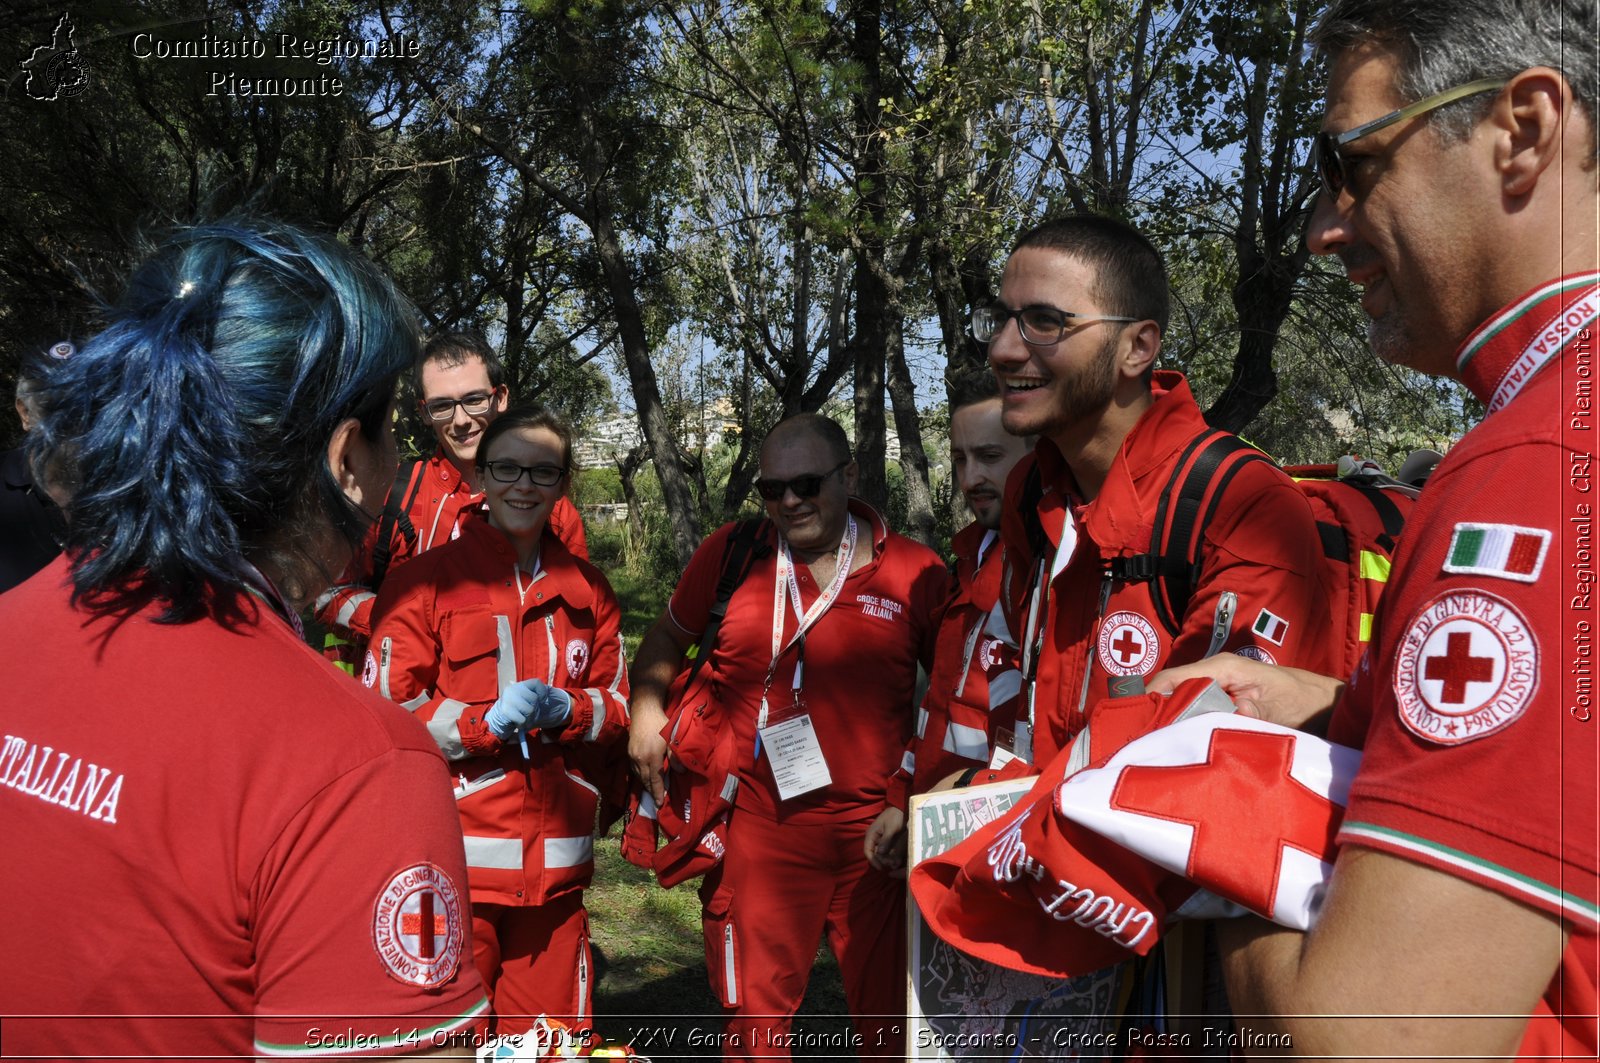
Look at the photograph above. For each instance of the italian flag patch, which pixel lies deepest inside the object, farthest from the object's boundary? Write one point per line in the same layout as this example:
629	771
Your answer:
1271	626
1503	550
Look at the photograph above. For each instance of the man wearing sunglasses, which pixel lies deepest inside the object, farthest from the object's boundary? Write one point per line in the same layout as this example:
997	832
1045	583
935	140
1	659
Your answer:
460	385
1459	166
815	666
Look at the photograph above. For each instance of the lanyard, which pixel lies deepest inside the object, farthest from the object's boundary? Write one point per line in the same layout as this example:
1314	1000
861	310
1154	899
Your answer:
786	581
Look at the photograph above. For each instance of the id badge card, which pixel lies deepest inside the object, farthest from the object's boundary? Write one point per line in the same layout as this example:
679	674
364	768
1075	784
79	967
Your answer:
1012	745
798	765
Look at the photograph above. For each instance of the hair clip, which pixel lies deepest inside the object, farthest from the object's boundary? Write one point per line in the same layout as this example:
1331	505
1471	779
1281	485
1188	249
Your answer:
185	288
63	350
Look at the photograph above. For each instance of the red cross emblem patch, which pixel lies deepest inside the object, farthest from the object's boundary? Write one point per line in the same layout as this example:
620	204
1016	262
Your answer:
1128	645
1467	667
417	927
577	660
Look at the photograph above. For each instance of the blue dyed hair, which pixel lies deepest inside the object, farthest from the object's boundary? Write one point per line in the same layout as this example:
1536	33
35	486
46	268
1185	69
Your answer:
192	433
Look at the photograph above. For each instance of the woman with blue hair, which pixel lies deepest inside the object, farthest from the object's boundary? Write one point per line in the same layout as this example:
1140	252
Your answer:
210	834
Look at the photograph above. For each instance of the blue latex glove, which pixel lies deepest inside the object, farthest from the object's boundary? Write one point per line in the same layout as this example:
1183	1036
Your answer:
526	705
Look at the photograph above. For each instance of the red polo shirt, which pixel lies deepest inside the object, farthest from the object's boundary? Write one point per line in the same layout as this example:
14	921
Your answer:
861	661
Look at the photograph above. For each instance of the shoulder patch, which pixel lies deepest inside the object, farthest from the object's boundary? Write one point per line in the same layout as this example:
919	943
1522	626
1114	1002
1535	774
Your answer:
1128	645
1271	626
417	926
1256	653
1467	667
577	659
369	671
1503	550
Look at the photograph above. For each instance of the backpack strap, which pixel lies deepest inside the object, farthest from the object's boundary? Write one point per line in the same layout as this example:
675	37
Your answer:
1188	502
1032	492
744	547
396	515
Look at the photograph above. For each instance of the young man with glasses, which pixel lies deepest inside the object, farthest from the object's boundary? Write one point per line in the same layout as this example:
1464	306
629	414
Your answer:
1073	341
1461	919
460	385
815	667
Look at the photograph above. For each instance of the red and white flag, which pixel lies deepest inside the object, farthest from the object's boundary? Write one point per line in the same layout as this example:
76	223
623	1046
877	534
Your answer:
1244	808
1125	828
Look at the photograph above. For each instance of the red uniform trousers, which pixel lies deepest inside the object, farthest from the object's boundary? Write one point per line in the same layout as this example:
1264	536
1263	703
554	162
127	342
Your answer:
780	886
535	961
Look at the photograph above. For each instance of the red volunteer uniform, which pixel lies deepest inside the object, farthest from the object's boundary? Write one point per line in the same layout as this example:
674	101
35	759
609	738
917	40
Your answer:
1475	708
216	846
1260	579
795	868
974	673
455	627
442	497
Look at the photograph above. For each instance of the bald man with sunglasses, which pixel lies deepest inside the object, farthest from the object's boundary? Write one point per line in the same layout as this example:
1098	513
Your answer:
815	666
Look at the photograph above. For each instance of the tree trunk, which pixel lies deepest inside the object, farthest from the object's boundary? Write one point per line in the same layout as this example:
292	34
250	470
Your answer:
871	331
920	524
1262	299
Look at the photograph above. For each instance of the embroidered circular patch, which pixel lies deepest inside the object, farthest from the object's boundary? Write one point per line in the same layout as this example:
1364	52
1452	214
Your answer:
577	659
416	926
1467	667
369	671
1256	653
1128	645
993	655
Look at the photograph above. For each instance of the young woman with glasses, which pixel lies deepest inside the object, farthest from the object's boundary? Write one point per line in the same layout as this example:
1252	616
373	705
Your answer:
507	647
210	835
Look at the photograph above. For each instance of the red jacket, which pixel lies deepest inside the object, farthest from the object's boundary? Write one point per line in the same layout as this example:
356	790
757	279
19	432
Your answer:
974	673
451	632
436	509
1260	545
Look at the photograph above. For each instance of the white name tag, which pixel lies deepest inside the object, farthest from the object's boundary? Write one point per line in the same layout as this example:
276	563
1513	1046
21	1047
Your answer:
796	756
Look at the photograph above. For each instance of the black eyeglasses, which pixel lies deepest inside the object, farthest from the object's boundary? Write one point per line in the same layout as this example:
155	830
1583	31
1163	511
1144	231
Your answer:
509	472
476	404
1328	148
1040	325
802	486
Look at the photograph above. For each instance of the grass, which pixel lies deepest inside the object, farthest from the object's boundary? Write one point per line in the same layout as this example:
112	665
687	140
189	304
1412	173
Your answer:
654	985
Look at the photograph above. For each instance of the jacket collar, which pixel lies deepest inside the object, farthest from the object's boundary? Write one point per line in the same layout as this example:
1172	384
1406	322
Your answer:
441	472
559	574
1122	515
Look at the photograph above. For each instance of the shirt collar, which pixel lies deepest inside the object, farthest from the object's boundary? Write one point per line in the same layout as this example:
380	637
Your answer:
1505	352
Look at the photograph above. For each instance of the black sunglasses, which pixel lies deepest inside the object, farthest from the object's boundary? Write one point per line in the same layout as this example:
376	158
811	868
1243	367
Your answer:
803	486
1328	148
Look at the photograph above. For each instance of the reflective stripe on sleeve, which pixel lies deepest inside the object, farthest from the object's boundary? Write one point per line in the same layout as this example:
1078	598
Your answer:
351	604
908	762
598	718
417	702
922	722
446	730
